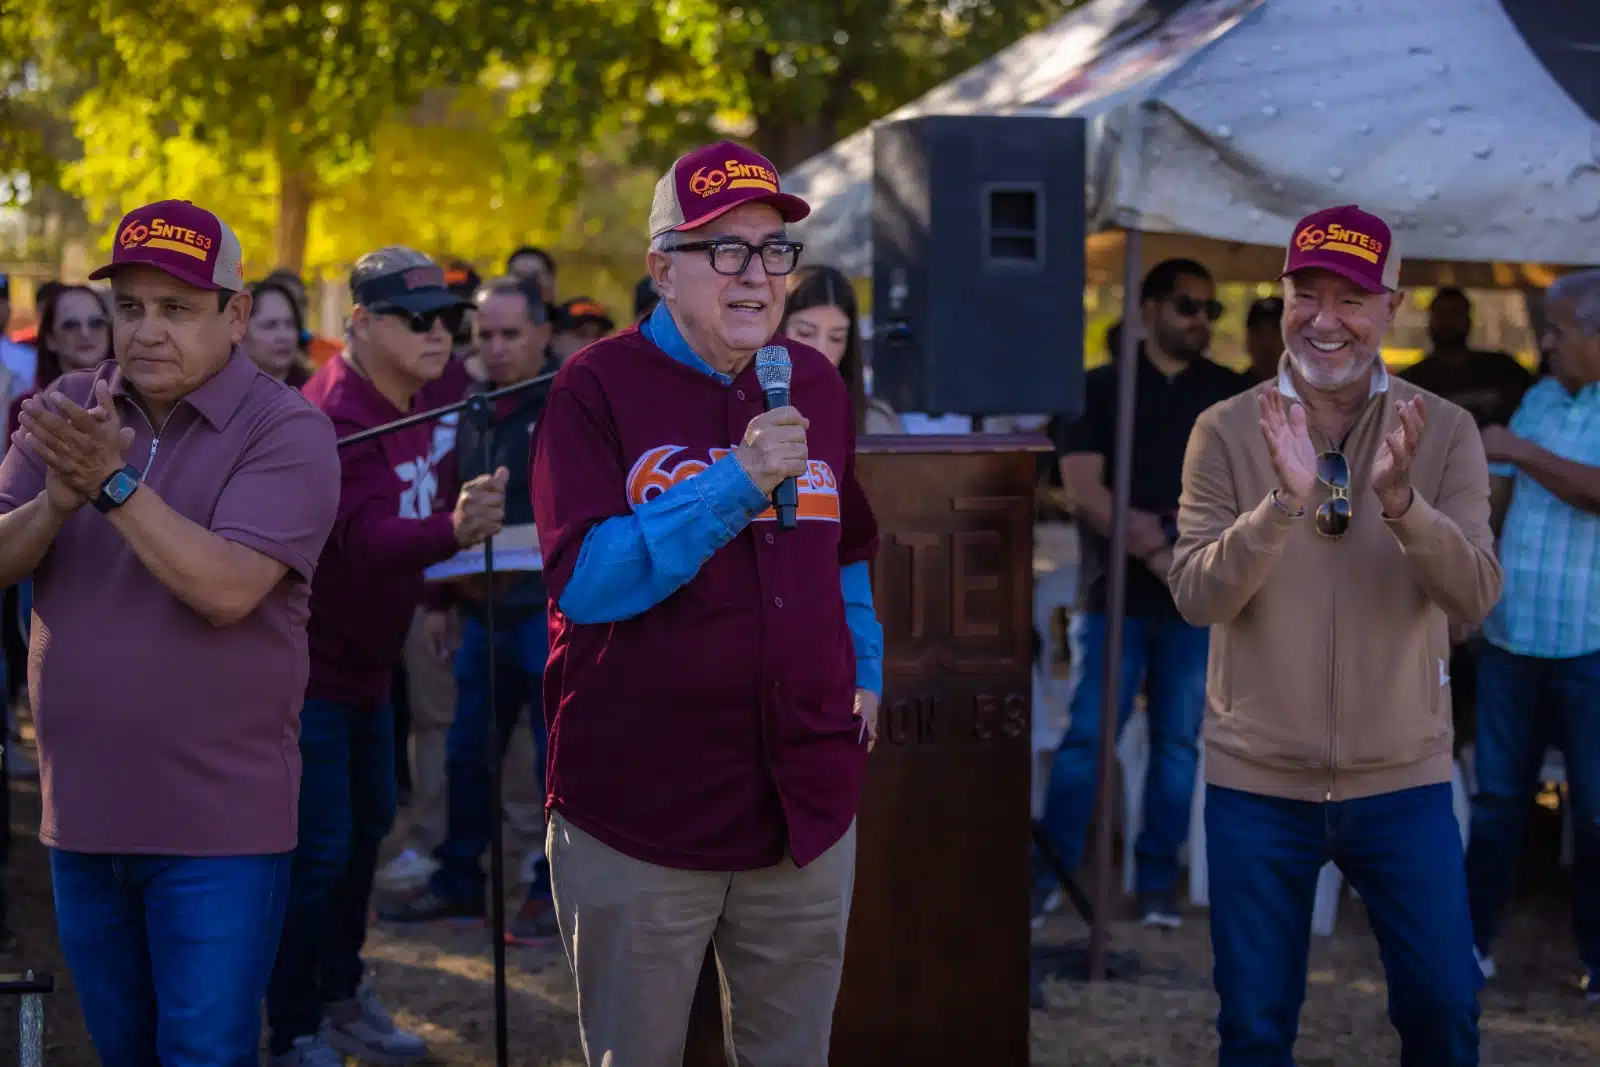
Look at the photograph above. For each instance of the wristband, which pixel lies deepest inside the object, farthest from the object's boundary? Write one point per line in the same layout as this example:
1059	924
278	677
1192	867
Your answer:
1279	505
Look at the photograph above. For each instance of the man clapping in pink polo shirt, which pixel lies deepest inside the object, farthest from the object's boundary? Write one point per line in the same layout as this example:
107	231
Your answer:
168	656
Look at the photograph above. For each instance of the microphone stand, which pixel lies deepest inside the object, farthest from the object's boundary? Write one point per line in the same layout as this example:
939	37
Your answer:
480	408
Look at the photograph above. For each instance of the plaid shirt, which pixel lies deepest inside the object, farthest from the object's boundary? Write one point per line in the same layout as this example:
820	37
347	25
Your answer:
1550	551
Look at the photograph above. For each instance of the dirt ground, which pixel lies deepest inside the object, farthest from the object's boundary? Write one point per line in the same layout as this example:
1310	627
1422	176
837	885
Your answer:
439	982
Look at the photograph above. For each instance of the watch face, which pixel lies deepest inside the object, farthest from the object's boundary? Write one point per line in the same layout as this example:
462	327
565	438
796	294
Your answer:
120	486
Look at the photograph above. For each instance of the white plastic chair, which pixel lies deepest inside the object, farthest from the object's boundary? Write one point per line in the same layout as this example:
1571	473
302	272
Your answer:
1325	911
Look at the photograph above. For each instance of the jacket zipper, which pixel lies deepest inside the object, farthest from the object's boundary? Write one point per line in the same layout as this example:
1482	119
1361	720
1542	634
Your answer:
155	437
1333	697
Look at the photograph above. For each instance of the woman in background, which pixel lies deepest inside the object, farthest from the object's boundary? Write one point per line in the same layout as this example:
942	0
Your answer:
74	334
273	340
821	312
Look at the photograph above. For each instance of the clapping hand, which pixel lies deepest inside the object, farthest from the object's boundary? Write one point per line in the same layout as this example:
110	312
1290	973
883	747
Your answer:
1294	457
1391	471
80	447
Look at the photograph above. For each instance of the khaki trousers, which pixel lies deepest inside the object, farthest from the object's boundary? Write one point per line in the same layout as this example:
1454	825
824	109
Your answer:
636	937
422	825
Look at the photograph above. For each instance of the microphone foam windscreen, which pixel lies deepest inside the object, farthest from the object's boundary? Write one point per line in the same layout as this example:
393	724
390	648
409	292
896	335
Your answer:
773	369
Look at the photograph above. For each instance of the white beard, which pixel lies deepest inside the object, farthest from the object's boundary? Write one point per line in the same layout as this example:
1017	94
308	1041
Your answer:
1328	382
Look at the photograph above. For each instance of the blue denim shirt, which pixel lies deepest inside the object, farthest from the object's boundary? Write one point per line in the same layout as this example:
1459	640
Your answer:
630	563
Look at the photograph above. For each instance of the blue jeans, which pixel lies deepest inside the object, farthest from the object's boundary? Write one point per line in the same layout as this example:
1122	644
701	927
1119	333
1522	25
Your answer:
1524	704
520	652
347	805
1402	852
170	954
1171	655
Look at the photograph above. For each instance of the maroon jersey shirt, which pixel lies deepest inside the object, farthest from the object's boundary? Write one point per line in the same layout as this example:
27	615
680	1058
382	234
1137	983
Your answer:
393	522
716	730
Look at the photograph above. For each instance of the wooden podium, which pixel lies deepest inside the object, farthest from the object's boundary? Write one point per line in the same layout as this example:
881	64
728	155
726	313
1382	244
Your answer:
938	952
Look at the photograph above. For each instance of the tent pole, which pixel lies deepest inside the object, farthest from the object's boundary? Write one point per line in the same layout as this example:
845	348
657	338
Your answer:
1116	603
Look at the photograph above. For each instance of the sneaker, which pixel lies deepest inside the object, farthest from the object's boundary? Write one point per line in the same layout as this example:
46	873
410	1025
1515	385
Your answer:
309	1051
534	924
1485	963
409	870
364	1029
1160	909
426	906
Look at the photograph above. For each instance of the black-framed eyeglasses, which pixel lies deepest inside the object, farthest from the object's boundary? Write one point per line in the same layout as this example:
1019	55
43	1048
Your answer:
1333	517
731	256
91	324
1189	307
422	321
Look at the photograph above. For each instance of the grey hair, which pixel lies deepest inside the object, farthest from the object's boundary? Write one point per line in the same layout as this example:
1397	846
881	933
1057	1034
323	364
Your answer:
387	261
662	242
1581	289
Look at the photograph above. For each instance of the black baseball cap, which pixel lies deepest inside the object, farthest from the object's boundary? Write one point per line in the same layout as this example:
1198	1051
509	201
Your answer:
462	280
580	310
416	285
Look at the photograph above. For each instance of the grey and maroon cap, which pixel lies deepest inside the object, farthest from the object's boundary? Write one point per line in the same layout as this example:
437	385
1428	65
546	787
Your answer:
711	181
181	239
1355	244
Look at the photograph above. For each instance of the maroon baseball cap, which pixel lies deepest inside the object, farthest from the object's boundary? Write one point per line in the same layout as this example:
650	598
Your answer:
712	181
1348	241
185	241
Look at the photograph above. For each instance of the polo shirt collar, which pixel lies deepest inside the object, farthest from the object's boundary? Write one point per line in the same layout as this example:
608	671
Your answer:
1379	383
218	397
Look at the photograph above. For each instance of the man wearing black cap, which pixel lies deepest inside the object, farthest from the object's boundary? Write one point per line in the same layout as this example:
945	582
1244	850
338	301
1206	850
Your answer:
369	581
578	322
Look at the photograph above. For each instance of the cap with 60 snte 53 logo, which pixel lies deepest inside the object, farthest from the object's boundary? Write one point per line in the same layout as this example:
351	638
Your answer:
181	239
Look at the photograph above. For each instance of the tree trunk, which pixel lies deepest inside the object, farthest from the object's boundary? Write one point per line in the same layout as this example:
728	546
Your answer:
295	196
787	144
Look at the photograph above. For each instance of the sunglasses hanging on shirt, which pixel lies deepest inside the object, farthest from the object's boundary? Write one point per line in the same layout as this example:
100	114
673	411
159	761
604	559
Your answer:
1333	517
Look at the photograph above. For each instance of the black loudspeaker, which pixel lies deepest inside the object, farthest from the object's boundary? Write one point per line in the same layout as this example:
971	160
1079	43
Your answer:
977	265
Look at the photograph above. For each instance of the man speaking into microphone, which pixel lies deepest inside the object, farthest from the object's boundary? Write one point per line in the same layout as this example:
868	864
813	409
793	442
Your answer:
714	677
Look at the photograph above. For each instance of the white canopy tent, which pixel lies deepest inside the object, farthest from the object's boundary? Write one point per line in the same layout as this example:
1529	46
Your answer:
1463	122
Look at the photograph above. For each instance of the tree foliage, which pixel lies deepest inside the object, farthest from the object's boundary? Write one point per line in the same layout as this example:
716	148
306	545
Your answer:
321	128
791	76
310	85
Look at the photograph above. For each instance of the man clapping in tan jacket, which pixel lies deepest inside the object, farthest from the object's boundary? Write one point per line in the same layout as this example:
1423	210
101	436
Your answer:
1331	521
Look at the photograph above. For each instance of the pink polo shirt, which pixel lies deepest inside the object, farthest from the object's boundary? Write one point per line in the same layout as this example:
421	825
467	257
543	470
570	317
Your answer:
160	733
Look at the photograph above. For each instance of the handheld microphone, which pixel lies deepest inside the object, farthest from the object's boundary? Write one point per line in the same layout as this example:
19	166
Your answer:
773	372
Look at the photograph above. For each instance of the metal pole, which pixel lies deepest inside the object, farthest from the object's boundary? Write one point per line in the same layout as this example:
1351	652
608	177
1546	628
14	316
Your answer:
481	410
1116	603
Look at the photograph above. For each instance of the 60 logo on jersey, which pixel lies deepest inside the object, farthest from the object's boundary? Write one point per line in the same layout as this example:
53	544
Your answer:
655	472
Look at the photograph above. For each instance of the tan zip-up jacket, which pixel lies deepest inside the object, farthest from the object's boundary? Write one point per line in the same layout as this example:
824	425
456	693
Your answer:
1328	674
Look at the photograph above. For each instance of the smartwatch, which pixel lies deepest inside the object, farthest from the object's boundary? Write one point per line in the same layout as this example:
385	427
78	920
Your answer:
115	490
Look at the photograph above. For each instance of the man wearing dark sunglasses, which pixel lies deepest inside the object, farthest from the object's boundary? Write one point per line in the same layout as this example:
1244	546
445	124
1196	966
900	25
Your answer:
1161	652
1333	520
394	521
